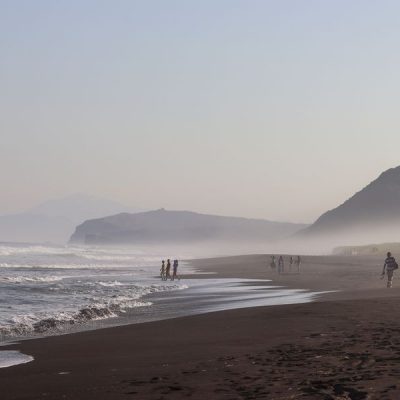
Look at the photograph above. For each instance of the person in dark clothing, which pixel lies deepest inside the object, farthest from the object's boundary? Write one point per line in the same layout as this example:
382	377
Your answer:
281	265
389	266
298	262
175	270
168	270
162	270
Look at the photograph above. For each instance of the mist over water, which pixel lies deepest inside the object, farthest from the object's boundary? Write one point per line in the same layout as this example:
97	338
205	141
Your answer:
324	243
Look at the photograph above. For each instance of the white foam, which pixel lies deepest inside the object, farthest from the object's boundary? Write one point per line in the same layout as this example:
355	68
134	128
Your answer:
99	257
49	288
33	279
9	358
110	284
10	250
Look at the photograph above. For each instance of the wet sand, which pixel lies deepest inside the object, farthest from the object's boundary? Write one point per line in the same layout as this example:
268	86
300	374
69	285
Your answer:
344	346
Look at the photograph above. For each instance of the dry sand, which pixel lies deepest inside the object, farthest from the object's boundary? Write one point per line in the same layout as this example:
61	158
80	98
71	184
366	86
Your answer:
344	346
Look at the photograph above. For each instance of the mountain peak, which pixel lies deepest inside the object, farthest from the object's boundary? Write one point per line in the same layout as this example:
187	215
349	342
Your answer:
391	175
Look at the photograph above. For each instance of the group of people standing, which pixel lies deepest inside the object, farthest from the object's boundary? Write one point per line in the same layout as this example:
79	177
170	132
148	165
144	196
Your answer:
281	264
165	271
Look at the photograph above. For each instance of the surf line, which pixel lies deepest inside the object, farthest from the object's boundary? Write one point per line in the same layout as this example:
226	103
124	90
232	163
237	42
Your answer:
8	358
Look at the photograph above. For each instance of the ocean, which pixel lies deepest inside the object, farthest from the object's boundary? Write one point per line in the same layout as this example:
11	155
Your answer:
46	290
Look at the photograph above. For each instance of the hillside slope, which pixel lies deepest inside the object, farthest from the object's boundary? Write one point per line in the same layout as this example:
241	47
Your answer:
371	215
163	226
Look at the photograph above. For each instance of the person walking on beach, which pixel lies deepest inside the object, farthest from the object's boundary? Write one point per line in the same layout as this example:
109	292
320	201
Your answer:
168	270
290	263
281	265
273	263
298	262
390	265
175	270
162	270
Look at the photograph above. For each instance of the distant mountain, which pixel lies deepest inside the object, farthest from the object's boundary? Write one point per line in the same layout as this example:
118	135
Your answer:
161	226
55	220
371	215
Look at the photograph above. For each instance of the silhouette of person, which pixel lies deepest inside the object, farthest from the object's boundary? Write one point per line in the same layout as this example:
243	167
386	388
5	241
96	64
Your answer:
162	270
168	270
298	262
390	265
281	265
175	270
273	263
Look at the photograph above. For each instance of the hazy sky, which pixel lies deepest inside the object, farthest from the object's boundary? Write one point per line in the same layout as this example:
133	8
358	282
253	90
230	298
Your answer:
273	109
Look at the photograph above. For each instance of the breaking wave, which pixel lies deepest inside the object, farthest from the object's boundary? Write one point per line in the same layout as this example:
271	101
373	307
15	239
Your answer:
47	289
36	324
38	279
99	309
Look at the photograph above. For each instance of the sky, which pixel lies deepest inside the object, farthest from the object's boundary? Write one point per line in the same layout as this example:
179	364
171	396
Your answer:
269	109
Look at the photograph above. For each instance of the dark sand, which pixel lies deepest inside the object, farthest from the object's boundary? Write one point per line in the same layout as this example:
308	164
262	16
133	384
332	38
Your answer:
344	346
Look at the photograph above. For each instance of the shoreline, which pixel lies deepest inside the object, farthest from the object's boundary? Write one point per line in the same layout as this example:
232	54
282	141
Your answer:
256	352
202	294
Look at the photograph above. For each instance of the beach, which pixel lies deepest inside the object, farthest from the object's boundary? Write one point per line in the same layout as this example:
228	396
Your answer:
343	345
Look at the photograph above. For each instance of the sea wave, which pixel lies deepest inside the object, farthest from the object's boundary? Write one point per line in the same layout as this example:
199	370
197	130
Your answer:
29	324
36	250
100	257
110	284
46	288
98	308
58	266
30	279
